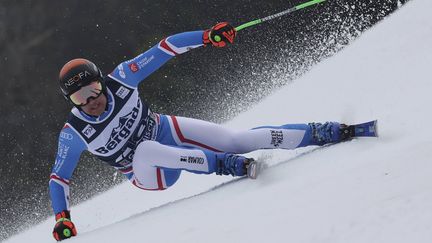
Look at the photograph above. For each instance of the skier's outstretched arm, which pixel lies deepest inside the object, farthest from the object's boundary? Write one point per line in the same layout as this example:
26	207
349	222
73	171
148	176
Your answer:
134	71
69	150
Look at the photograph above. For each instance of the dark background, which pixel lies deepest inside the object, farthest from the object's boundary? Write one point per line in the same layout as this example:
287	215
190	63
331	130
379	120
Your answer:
38	37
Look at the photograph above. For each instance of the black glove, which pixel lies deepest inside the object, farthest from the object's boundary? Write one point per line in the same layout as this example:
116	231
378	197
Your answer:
64	228
219	35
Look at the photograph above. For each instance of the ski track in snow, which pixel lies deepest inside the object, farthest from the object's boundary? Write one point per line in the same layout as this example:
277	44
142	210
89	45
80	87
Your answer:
365	190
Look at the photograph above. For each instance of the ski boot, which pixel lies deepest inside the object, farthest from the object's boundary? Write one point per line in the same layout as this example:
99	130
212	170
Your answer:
237	165
328	132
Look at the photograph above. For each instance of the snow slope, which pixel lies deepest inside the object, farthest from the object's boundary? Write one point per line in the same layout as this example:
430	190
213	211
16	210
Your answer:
366	190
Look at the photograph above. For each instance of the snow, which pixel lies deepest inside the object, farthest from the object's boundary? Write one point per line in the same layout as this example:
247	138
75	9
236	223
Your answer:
366	190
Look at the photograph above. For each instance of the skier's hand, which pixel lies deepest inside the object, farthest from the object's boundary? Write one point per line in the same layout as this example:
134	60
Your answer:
219	35
64	228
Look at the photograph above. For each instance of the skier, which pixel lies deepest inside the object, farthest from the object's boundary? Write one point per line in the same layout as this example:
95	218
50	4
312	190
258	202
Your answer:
110	121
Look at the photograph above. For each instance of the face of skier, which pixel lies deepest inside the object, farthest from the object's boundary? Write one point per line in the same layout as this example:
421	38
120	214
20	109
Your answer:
90	98
95	106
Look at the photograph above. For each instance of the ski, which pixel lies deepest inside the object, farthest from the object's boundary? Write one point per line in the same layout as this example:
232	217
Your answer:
366	129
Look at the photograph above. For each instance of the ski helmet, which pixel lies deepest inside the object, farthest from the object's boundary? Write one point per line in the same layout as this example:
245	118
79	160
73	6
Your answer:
78	73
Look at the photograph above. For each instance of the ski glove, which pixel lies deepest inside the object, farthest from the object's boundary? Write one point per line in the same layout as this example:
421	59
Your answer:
219	35
64	228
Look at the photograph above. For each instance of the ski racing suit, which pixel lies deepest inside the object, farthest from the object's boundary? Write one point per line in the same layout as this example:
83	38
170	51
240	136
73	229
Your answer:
152	149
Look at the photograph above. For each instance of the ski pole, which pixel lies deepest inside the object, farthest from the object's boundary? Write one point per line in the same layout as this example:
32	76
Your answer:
293	9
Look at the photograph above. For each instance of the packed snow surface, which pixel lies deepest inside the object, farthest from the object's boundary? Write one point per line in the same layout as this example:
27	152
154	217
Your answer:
365	190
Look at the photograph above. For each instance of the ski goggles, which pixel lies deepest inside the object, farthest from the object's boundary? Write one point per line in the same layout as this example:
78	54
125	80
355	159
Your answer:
81	97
